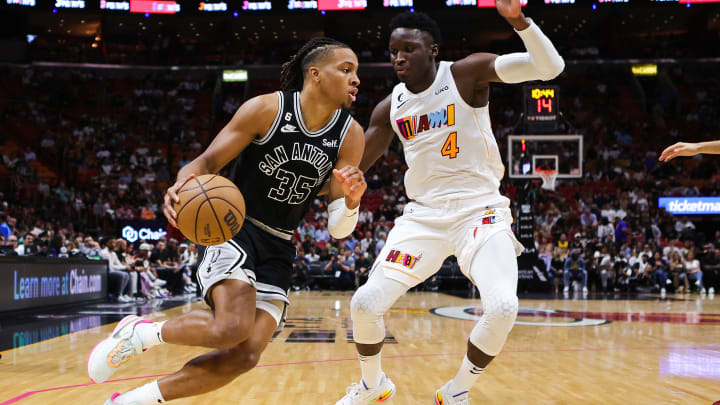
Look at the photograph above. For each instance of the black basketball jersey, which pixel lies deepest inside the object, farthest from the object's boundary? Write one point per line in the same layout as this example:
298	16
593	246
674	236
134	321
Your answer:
281	173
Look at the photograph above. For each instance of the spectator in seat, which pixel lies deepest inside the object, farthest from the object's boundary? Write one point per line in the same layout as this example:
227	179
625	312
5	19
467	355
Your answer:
12	241
120	254
676	268
380	243
301	268
362	266
366	242
117	271
574	269
321	233
167	264
5	229
381	227
90	248
28	247
711	268
307	229
693	273
365	217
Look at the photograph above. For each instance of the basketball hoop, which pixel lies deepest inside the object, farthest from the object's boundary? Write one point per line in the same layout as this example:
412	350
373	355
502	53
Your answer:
548	177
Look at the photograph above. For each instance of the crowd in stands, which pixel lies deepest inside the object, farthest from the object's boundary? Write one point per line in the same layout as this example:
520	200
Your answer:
110	142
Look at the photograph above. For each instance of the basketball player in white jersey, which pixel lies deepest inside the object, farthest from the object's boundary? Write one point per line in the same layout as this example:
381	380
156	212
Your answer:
689	149
440	113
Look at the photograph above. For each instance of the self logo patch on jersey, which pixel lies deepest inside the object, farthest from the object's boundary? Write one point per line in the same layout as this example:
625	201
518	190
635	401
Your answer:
406	259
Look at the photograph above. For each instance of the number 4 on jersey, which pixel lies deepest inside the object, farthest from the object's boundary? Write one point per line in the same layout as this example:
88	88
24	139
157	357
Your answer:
450	147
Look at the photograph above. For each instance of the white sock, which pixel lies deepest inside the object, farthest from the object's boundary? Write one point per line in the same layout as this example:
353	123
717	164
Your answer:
150	333
466	377
371	370
148	394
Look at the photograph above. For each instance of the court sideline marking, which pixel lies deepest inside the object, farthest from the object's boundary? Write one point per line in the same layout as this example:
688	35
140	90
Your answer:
400	356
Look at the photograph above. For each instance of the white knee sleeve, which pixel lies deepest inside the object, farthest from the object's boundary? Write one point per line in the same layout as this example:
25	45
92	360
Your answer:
499	312
367	312
369	304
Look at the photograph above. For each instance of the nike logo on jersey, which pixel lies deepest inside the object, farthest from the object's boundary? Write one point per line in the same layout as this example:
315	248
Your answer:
330	144
400	100
288	128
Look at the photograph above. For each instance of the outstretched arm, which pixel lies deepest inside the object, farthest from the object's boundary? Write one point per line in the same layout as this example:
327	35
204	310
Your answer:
689	149
541	61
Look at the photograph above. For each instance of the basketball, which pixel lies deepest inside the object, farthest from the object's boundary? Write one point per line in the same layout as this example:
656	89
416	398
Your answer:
211	209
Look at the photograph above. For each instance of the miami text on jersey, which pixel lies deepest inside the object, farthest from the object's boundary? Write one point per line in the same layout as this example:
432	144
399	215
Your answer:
411	126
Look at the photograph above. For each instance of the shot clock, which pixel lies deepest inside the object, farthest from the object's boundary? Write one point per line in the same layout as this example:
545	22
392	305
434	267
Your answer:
541	108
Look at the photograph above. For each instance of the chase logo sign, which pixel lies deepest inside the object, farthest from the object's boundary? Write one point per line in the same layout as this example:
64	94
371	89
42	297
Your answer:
131	234
690	205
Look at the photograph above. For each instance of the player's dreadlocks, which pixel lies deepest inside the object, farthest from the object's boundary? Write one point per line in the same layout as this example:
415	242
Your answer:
420	21
293	71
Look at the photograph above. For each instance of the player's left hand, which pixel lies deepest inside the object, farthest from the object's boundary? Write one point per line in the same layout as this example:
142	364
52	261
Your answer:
509	9
679	149
352	181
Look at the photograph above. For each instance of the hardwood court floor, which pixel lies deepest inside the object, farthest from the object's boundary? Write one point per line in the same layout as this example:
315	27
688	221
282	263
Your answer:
599	351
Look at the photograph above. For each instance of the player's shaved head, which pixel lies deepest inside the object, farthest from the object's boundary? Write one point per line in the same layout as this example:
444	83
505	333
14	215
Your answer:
419	21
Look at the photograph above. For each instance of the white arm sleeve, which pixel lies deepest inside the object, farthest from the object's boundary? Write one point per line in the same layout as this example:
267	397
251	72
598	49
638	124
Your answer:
341	220
541	62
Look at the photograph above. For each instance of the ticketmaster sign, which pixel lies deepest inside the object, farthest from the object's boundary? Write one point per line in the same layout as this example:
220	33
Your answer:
690	205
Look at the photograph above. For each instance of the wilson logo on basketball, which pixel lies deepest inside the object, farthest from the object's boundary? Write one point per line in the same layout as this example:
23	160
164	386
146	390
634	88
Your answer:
232	222
405	259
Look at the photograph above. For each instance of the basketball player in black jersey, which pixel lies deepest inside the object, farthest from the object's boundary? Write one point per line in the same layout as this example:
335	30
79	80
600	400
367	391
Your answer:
289	144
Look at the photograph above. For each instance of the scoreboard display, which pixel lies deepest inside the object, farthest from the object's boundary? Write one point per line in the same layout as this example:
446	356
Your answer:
541	108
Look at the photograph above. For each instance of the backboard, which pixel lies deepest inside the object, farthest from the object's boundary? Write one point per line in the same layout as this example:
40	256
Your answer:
528	153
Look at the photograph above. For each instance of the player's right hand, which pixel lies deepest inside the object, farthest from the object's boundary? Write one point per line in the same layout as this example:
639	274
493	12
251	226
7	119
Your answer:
679	149
171	198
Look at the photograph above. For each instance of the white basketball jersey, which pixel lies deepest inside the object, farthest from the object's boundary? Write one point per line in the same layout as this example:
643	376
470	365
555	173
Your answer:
449	146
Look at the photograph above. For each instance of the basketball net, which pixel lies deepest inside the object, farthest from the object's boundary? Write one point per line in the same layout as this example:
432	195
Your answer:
548	177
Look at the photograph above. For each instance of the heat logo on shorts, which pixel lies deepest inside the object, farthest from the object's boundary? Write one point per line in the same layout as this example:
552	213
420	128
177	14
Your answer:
405	259
411	125
488	217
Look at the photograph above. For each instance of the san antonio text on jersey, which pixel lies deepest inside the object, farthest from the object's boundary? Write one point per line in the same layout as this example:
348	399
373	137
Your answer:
281	173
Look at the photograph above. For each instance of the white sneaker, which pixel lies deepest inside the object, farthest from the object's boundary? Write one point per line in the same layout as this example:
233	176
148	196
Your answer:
115	350
702	291
663	291
444	397
359	394
585	291
566	290
711	291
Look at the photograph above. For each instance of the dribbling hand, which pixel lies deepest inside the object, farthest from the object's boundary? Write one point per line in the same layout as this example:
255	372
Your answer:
352	181
171	197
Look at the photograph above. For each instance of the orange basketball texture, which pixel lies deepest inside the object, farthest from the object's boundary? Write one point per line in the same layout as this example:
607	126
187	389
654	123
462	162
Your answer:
211	209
